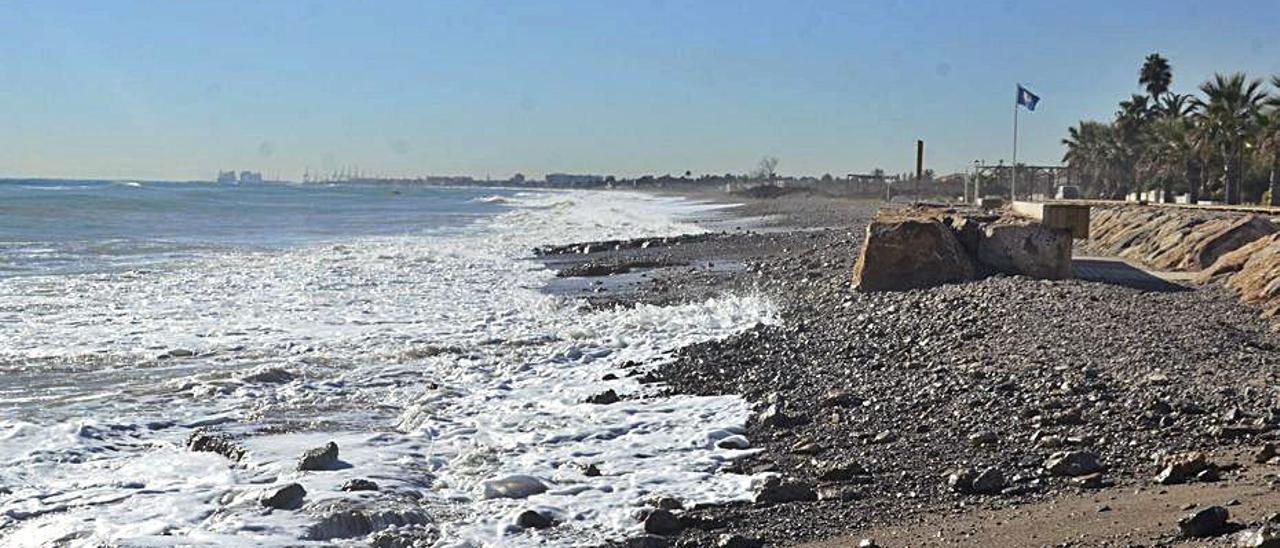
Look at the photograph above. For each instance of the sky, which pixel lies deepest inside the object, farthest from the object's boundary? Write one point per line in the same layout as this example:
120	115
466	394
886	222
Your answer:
180	90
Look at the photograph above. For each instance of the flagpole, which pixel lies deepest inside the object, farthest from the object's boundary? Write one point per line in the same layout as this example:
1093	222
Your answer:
1013	186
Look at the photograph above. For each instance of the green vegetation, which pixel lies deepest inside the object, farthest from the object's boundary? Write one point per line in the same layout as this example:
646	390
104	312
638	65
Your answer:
1222	144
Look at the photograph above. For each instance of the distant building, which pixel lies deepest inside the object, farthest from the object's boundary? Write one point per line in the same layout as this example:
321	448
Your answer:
569	179
244	178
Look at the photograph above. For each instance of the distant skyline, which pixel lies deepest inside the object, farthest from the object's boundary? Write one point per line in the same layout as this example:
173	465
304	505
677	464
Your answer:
181	90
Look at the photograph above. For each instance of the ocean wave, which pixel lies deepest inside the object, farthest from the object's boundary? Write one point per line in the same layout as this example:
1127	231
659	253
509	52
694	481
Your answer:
434	362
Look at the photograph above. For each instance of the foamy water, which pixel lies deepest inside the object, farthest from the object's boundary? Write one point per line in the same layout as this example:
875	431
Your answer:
433	360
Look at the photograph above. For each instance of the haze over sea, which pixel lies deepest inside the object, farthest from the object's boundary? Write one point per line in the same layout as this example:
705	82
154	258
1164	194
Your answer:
406	323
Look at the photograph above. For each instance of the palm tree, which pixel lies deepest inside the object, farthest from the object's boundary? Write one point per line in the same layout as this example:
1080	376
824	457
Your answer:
1230	115
1156	76
1176	104
1269	141
1171	155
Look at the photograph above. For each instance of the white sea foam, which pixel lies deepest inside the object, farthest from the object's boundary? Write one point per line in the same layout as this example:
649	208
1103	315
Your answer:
435	363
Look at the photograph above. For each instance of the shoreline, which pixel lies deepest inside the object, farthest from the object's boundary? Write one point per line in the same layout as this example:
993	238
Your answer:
999	374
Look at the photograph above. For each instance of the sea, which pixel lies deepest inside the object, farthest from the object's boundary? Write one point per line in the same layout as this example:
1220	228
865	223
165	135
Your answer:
409	324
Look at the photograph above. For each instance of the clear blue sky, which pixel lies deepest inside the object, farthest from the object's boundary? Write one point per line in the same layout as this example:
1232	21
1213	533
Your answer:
181	89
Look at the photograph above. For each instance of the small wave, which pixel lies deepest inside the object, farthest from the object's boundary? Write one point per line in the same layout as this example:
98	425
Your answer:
492	200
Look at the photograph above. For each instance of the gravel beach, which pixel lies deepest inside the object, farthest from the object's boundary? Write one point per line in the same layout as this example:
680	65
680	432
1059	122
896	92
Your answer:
923	407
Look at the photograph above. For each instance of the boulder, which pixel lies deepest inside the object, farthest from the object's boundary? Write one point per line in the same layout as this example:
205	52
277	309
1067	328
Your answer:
1208	522
320	458
338	520
910	253
779	491
1265	536
212	442
1072	463
532	519
359	484
1182	467
661	522
284	497
1026	248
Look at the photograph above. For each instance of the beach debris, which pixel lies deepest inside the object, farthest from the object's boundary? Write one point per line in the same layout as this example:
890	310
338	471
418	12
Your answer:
885	436
728	540
532	519
806	446
359	484
1072	463
319	458
215	442
284	497
843	493
514	487
1207	522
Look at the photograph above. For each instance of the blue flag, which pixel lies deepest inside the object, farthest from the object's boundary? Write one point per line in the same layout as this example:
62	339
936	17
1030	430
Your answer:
1027	99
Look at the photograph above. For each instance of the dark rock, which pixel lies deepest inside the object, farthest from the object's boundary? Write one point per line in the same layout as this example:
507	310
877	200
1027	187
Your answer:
985	437
1265	453
840	398
661	522
284	497
961	480
647	541
604	398
320	458
777	491
212	442
340	522
270	375
591	471
842	470
1209	522
532	519
989	482
359	484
